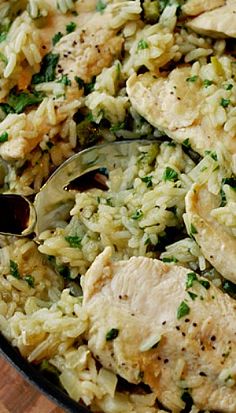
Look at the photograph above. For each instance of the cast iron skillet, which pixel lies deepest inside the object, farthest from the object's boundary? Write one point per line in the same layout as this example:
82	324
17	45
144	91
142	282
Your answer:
35	377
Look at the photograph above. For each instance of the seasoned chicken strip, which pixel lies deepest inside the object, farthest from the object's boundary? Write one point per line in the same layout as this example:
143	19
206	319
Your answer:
195	7
217	244
177	106
220	22
85	52
165	326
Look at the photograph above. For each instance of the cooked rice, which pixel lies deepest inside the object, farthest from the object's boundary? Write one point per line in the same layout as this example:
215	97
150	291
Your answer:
41	312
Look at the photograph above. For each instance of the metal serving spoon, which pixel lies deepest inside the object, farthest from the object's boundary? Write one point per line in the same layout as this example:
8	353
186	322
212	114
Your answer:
51	208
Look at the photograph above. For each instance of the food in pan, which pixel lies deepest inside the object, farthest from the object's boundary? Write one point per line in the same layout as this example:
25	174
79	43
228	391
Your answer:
129	302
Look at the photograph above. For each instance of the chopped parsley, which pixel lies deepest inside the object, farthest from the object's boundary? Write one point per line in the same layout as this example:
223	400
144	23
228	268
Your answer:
229	86
169	259
3	137
192	79
80	82
186	143
6	108
112	334
169	174
191	277
70	27
89	87
207	82
147	180
3	36
14	271
192	295
56	38
224	102
193	230
183	310
117	126
212	154
30	280
137	214
100	6
48	69
19	101
3	58
65	80
64	271
205	284
74	241
142	44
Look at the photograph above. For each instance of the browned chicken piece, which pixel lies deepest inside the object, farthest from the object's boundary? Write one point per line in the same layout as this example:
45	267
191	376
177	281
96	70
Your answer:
220	22
216	243
177	107
195	7
163	325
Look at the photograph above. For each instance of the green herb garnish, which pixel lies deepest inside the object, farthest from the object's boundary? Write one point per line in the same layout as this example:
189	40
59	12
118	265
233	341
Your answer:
65	80
117	126
3	137
207	82
30	280
100	6
205	284
191	277
142	44
80	82
183	310
3	58
70	27
74	241
212	154
137	215
56	38
186	143
193	230
14	271
224	102
3	36
147	180
192	295
169	259
229	86
112	334
48	69
169	174
192	79
19	101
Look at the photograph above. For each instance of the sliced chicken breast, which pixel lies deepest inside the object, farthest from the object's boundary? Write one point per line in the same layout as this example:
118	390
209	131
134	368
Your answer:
165	326
177	106
220	22
195	7
217	244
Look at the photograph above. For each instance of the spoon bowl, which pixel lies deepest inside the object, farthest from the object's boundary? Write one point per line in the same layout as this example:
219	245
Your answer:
51	208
